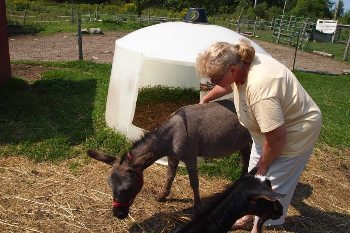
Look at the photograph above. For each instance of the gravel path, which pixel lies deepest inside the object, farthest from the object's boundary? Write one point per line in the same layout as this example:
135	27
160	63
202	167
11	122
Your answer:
100	48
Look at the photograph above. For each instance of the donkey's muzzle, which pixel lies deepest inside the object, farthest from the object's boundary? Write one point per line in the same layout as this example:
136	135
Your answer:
278	210
120	212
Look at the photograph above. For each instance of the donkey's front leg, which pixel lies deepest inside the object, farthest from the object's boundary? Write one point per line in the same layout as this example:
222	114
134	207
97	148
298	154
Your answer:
194	182
172	166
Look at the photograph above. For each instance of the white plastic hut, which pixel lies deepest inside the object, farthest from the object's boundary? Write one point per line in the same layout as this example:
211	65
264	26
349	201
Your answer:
162	54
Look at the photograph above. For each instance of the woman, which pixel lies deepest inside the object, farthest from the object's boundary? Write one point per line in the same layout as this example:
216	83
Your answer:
281	117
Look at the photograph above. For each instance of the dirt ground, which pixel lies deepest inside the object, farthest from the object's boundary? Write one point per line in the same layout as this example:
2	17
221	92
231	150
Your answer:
73	195
100	48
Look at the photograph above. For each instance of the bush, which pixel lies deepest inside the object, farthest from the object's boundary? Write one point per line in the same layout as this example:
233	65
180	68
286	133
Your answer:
21	5
129	8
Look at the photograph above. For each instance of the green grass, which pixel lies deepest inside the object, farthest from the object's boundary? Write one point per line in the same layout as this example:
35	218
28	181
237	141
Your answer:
331	93
59	116
228	167
159	94
336	49
62	115
55	27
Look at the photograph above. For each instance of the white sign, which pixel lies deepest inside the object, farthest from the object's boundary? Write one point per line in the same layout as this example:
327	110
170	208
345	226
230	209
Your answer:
326	26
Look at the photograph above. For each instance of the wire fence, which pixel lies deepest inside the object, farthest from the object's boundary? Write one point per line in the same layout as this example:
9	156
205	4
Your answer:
26	44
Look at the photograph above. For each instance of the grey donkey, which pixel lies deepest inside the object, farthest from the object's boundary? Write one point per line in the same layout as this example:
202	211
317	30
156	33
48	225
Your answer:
209	130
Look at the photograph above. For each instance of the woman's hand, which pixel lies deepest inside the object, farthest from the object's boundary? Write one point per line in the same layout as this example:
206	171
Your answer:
273	144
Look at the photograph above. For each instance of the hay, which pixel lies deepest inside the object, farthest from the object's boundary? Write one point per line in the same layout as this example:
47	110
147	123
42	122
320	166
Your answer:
43	197
46	197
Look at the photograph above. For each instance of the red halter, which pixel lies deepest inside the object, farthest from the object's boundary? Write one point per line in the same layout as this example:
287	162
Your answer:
140	184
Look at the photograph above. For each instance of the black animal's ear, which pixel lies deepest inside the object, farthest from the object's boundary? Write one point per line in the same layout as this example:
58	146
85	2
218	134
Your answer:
269	195
253	171
265	206
100	156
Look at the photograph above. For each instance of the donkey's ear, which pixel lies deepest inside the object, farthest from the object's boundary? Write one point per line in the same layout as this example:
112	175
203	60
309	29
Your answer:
142	163
253	171
270	195
100	156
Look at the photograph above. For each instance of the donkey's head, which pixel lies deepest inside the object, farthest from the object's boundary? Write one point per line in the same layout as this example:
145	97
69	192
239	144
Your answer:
125	180
262	201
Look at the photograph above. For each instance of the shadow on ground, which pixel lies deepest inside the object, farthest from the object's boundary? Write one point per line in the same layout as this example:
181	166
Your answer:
53	109
15	29
311	219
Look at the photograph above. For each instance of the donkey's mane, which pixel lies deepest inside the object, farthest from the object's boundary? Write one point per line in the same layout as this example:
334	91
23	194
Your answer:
148	134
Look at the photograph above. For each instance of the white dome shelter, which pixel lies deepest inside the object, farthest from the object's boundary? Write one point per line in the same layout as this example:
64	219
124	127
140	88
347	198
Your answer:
162	54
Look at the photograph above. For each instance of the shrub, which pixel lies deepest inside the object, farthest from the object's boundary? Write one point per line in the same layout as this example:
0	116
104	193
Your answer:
129	8
21	5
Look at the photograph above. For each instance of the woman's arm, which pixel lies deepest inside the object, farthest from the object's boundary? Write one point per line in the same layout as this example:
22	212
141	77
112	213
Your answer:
273	144
216	92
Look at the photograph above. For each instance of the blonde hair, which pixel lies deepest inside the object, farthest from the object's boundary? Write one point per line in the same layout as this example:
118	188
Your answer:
219	57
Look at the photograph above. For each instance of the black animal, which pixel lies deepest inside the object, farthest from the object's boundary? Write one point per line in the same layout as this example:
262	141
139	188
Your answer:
248	195
209	130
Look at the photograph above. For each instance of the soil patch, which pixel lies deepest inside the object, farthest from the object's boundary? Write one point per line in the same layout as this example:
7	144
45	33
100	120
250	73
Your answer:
100	48
149	116
28	72
304	60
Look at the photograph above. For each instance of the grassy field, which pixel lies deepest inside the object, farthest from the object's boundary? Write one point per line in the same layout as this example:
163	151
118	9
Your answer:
62	115
329	92
59	116
46	18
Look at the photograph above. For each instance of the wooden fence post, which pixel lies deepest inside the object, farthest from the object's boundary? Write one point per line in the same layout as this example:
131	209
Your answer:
254	29
96	13
72	12
239	24
5	66
296	49
25	16
346	52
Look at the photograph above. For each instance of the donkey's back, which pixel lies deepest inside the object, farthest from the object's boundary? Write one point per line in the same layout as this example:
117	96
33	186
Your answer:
208	130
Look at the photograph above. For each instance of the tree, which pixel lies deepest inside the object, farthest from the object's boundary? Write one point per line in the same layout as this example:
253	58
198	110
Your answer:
176	4
346	18
312	9
243	5
261	10
140	6
21	5
273	12
339	9
276	3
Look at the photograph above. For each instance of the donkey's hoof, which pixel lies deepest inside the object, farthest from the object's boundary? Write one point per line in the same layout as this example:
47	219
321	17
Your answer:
161	198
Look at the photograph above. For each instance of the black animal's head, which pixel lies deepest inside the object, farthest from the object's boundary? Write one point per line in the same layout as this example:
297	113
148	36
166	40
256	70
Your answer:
262	201
125	181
